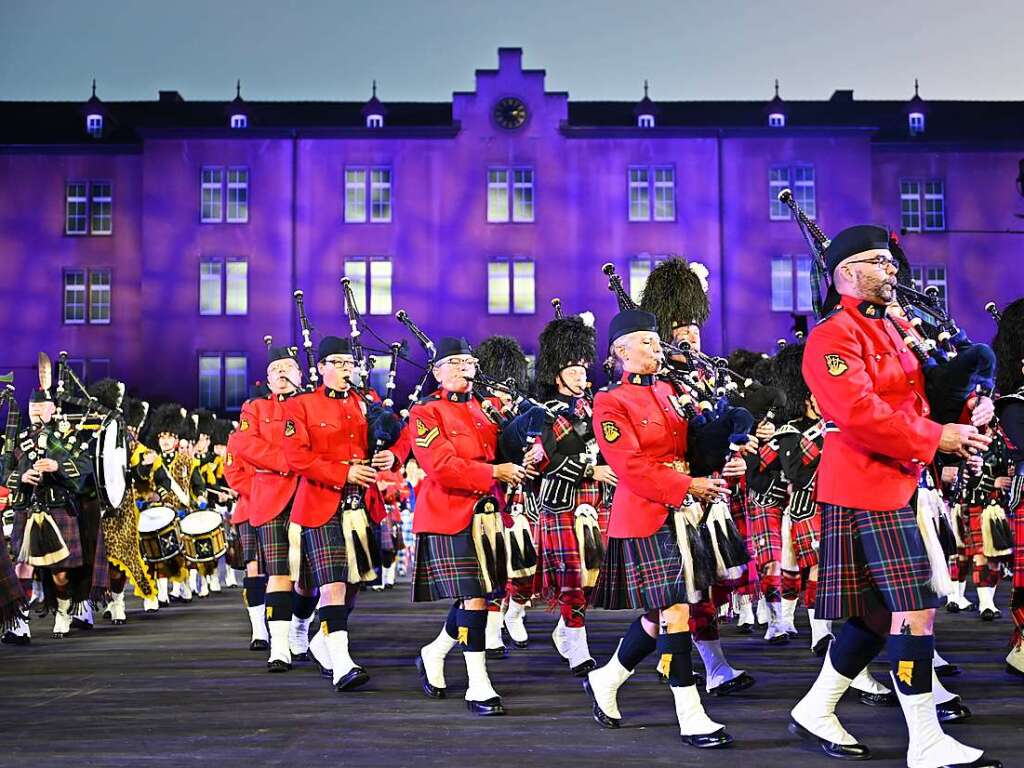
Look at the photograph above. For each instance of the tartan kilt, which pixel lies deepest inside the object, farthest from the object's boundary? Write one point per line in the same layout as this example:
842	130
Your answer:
446	567
764	533
324	550
1018	547
67	524
644	572
805	533
558	553
250	544
11	595
970	531
871	561
272	546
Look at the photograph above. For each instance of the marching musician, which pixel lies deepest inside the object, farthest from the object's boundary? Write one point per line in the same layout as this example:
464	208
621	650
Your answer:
648	564
459	542
873	565
259	442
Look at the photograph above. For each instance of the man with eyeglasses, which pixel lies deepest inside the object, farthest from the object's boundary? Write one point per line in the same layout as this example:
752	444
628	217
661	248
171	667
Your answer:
456	442
259	442
874	569
330	437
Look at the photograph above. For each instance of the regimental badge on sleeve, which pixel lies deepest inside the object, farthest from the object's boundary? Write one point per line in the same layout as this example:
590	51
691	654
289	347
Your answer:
836	365
229	460
610	430
243	425
424	436
289	428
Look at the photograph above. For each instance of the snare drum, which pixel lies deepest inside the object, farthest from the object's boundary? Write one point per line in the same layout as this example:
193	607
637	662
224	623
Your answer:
202	534
159	538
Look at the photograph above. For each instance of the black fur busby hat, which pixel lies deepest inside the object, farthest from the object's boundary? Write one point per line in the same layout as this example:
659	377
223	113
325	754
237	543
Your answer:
204	422
676	294
108	392
564	341
501	358
220	431
788	376
1008	346
134	412
169	418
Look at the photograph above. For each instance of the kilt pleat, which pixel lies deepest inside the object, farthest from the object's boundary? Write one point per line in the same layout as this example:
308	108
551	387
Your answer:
644	572
764	533
250	545
446	567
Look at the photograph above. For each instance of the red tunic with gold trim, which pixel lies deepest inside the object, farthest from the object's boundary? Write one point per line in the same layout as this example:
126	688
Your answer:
259	441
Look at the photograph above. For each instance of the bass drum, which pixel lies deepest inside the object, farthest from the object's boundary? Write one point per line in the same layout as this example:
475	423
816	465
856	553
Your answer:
111	466
202	535
159	539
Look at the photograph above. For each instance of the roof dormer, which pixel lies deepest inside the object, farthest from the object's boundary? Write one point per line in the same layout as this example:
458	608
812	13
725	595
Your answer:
237	110
374	111
916	111
94	113
776	110
646	111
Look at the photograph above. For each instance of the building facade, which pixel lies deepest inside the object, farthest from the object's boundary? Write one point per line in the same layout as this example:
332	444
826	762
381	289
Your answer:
160	241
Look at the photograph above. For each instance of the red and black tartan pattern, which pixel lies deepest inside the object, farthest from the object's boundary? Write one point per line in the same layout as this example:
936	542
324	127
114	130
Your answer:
561	427
804	534
810	451
446	567
250	544
971	529
272	546
67	524
645	573
325	551
558	552
871	561
764	533
766	457
1018	547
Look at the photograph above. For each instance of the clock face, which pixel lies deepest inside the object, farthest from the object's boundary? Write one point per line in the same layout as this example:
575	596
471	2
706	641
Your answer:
510	112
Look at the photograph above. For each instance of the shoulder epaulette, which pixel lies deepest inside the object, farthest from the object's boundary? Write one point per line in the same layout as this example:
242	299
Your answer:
830	315
789	428
428	398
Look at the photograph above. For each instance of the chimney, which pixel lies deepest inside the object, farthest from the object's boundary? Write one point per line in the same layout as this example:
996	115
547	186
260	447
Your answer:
510	59
171	97
842	96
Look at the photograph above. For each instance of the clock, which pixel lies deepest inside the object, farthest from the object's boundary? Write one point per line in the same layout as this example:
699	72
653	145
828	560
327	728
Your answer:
510	113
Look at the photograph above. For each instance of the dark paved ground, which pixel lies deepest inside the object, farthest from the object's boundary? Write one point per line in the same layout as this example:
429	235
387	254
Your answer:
181	688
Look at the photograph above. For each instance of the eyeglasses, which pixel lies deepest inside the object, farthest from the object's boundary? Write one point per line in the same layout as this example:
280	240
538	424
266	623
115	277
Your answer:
885	262
459	362
340	363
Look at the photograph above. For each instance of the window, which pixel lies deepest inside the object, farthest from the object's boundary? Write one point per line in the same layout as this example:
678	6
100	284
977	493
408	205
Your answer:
375	121
87	296
236	388
209	381
645	121
660	179
776	120
239	121
379	195
99	296
932	277
96	368
640	268
916	123
94	125
373	296
76	207
238	195
74	296
224	287
928	196
499	193
101	208
791	283
511	287
212	205
799	178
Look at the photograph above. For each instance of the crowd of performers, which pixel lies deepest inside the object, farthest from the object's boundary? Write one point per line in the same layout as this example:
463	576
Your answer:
693	490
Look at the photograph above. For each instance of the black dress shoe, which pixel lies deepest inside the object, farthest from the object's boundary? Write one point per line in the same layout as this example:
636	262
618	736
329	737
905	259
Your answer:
779	639
947	670
739	683
981	762
432	691
259	645
877	699
489	708
520	644
276	665
952	711
356	677
80	624
584	669
496	653
304	656
58	635
163	603
715	740
989	615
175	599
605	721
821	647
10	638
952	608
830	748
745	629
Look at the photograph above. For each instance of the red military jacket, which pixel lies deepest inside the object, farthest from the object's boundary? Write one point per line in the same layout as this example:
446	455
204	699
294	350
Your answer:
871	388
455	444
259	441
239	474
639	431
323	431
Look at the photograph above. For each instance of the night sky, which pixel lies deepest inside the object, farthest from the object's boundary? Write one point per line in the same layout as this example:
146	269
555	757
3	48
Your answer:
423	50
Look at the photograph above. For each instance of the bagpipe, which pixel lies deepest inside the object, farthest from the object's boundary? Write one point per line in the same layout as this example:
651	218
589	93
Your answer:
954	366
704	387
